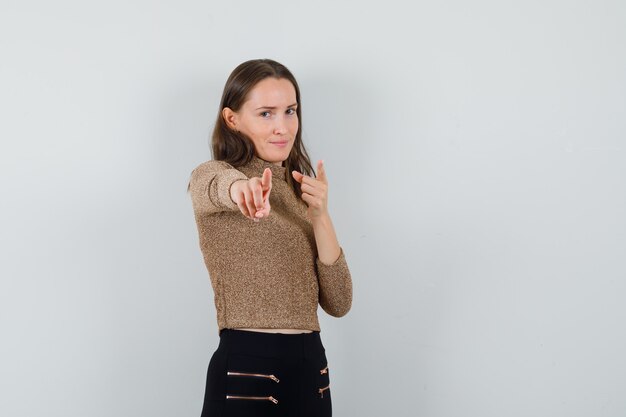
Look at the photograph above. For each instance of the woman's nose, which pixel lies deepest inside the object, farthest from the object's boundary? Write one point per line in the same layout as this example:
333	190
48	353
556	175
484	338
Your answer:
280	127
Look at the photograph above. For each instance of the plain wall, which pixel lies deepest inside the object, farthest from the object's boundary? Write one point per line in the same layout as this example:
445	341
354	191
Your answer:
477	167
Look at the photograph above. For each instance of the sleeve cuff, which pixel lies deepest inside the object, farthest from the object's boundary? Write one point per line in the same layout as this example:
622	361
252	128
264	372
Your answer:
219	189
335	283
340	260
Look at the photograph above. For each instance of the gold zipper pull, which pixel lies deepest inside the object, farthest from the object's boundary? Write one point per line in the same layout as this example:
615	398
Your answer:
245	397
321	391
272	377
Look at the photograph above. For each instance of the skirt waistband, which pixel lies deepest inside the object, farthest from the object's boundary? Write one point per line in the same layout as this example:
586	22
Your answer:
271	345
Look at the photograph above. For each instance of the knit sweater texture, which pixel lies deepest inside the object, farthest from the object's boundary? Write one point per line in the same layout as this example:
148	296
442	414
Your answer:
264	274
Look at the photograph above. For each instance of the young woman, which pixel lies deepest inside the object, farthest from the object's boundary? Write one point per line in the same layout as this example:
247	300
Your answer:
270	249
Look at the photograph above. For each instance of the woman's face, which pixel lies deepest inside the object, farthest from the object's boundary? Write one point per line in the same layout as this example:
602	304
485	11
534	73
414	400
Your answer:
269	118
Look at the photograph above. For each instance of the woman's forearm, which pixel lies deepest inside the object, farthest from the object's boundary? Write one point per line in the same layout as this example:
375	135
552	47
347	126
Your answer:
328	250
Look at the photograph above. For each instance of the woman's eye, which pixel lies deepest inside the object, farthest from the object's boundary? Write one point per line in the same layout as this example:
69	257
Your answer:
291	111
263	114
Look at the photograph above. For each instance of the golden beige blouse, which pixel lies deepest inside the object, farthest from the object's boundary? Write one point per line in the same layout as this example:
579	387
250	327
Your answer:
264	274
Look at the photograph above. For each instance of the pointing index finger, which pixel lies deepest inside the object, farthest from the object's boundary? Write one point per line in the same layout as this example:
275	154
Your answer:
266	181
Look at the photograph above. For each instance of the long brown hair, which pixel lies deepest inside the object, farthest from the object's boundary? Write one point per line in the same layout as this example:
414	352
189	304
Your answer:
236	148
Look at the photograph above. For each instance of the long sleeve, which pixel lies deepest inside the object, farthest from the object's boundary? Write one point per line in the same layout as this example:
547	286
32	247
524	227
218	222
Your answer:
335	284
210	184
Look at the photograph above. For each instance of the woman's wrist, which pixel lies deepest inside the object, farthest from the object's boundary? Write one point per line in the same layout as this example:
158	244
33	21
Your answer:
321	219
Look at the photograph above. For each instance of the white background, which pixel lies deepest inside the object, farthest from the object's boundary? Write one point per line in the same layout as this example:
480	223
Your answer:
477	168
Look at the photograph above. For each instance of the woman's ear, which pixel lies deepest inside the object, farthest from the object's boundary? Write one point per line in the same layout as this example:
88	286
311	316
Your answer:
230	117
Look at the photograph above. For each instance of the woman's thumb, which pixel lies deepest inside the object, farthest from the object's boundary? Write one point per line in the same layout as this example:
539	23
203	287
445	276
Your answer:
297	176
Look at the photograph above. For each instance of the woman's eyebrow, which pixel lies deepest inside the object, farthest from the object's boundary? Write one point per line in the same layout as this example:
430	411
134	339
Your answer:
274	107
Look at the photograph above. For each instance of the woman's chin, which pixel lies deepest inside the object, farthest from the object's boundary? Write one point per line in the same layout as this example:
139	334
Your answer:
276	155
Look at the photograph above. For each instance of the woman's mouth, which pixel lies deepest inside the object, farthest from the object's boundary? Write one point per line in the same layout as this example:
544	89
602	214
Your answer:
280	144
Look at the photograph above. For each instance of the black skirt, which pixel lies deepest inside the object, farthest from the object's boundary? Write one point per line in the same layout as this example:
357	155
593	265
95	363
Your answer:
268	374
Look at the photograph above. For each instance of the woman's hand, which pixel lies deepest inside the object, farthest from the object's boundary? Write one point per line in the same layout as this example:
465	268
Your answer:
253	195
314	191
